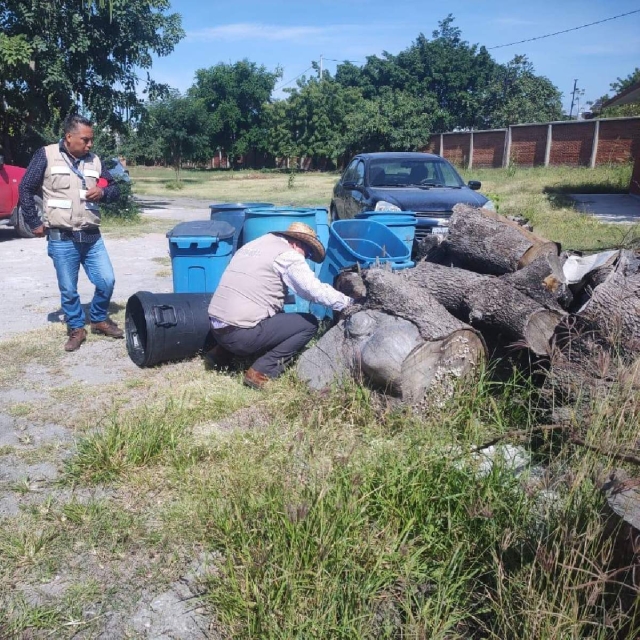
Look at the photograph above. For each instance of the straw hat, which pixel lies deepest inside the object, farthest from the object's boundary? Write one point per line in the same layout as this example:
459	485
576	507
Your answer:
304	233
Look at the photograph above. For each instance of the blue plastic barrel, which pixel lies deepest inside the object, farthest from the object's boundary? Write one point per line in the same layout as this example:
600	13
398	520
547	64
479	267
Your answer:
402	224
233	213
200	252
259	221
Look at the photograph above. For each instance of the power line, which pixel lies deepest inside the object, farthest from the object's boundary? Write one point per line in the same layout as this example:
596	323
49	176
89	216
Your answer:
352	61
284	84
556	33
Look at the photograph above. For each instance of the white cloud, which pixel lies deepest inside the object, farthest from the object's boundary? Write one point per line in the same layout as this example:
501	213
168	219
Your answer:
257	31
512	22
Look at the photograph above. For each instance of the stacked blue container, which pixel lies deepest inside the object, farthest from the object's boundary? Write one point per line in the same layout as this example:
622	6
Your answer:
200	252
234	214
402	224
362	242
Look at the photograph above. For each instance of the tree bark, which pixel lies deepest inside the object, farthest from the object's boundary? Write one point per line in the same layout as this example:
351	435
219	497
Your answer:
486	242
544	281
488	304
614	307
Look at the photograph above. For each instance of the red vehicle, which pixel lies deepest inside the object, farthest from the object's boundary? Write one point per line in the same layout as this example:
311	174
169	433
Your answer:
10	214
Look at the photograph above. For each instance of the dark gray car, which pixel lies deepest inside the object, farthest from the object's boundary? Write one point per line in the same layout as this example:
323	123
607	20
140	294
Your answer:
423	183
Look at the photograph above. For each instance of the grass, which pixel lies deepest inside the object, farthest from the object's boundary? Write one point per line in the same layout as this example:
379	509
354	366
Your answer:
236	186
342	515
539	194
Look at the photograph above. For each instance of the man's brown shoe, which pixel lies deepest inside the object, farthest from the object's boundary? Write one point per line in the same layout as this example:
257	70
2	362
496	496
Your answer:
107	328
255	379
76	338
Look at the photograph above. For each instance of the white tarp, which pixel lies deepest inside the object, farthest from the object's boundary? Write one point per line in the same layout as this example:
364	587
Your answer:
577	267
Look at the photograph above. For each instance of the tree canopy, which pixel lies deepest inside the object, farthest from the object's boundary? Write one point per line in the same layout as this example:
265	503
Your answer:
618	86
56	57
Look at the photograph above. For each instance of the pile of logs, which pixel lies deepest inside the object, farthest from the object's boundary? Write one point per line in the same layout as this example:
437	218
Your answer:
491	283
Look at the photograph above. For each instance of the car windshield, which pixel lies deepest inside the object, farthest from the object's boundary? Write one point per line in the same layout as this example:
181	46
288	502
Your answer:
431	172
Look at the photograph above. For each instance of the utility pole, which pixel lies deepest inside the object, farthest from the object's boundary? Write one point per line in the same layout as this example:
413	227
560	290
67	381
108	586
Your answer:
573	97
320	67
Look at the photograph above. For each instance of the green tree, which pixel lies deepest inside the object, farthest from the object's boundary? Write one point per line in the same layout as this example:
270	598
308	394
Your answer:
517	95
620	85
392	121
57	57
314	120
177	125
235	96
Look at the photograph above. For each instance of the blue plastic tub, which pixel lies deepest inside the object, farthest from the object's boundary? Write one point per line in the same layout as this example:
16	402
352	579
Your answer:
362	242
402	224
200	252
233	213
259	221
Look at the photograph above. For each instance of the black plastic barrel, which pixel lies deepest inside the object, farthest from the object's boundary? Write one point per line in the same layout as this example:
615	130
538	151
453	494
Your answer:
161	327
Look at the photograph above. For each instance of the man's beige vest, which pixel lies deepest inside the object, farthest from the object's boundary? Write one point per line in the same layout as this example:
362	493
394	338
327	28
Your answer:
250	289
63	208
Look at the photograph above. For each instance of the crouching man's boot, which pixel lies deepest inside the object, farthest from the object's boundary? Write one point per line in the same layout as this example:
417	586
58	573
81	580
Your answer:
107	328
255	379
76	338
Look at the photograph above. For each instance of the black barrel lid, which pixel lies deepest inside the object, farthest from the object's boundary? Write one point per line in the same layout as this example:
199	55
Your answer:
195	228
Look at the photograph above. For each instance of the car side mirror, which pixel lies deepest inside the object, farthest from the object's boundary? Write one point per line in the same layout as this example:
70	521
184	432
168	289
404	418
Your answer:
1	162
474	185
349	184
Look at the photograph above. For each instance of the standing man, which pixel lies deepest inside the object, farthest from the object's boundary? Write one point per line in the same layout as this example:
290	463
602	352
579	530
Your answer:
246	308
67	173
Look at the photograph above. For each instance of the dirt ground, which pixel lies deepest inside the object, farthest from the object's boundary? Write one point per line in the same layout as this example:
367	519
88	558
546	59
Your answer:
30	301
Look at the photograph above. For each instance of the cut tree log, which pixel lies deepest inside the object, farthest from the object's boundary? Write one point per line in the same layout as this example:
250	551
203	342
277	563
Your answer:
544	281
488	304
407	344
613	311
486	242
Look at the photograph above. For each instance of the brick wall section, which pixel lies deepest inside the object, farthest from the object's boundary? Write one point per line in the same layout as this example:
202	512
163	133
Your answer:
528	145
433	145
456	148
634	187
572	143
488	148
618	141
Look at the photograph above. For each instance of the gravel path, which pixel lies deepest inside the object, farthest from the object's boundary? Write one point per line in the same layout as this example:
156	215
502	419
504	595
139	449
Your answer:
30	297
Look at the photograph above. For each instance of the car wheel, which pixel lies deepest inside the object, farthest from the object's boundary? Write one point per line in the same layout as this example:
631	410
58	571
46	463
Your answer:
21	228
333	214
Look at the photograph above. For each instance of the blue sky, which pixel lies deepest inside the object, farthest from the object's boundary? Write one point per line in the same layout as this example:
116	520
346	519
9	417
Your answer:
292	34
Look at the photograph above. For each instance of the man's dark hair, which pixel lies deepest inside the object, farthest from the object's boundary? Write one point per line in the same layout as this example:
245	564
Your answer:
73	121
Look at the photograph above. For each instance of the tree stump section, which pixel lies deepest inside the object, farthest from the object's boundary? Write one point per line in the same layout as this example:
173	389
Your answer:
488	243
405	343
488	304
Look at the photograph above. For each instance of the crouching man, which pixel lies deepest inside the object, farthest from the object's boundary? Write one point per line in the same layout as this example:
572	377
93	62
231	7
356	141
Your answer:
246	308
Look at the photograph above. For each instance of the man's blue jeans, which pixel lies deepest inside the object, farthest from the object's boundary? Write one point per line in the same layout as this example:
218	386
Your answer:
67	257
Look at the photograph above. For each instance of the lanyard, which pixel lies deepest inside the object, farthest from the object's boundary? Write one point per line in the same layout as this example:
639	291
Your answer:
75	169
